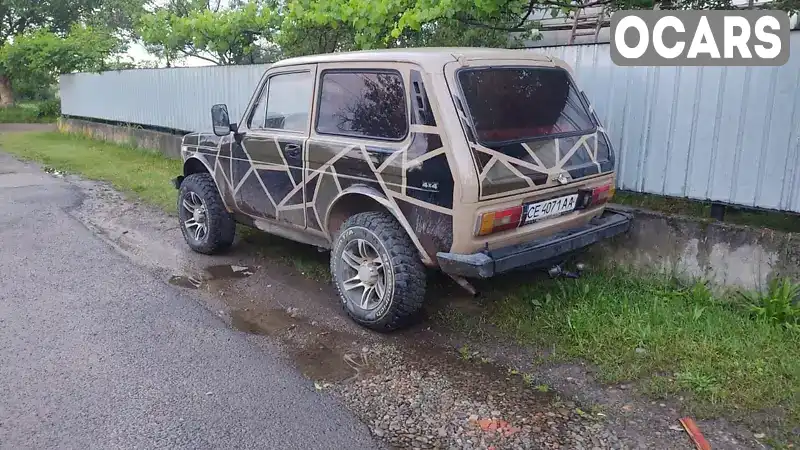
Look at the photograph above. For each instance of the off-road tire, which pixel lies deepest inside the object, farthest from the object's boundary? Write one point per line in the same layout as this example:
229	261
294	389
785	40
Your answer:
221	226
406	289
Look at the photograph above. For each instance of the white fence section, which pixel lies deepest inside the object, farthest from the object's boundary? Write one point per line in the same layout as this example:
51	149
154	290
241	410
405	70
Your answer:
727	134
711	133
178	98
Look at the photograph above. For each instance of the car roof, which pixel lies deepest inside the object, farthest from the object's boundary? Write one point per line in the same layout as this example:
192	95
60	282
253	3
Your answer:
424	56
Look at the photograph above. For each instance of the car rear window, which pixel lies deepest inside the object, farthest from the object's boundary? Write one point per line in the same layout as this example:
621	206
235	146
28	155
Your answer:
513	104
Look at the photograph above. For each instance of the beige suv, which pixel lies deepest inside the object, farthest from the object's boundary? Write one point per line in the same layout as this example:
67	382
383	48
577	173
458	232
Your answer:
475	161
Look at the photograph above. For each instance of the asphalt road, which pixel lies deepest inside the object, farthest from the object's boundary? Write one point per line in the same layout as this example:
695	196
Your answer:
96	352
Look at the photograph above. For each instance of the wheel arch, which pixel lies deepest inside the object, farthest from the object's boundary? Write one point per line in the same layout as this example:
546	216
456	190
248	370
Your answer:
352	201
194	164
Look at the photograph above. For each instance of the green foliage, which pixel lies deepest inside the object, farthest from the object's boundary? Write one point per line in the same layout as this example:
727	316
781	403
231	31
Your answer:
262	31
29	90
49	109
42	38
228	36
387	23
39	56
28	113
59	16
779	304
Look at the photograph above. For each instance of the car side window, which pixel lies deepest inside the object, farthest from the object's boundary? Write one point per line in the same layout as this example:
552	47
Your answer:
285	104
363	104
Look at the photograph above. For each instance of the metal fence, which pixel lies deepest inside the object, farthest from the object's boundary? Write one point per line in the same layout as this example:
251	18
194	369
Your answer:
728	134
178	98
711	133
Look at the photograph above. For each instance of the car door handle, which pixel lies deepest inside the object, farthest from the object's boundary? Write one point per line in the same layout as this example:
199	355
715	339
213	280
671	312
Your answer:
292	150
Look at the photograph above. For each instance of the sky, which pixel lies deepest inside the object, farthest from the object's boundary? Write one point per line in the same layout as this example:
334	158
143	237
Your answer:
138	53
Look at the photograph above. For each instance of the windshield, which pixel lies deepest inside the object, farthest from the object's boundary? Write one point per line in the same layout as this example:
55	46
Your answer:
514	104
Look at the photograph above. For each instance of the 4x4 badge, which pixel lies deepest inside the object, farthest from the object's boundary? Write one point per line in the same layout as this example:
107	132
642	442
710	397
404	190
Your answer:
562	178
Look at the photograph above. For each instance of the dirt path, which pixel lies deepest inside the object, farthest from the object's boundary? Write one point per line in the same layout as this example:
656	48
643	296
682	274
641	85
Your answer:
414	389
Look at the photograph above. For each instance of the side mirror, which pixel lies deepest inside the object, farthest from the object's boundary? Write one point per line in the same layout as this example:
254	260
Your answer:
221	120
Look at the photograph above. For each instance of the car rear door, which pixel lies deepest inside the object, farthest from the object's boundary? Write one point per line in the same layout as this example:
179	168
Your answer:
528	126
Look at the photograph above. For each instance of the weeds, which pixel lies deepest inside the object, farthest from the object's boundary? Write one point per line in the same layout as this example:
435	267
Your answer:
700	384
465	353
48	109
778	305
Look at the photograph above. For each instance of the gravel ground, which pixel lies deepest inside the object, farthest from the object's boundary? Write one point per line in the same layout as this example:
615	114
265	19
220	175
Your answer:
414	404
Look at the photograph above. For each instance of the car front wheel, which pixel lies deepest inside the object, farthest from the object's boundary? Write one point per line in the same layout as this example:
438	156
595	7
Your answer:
377	271
205	223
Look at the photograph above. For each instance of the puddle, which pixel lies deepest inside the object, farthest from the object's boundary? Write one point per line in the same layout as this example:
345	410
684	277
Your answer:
317	359
185	282
322	363
220	272
267	324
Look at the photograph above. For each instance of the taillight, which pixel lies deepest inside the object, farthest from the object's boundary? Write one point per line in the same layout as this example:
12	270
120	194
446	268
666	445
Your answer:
494	221
602	194
596	196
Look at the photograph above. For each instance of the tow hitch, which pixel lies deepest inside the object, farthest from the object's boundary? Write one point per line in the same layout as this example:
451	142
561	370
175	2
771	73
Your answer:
557	271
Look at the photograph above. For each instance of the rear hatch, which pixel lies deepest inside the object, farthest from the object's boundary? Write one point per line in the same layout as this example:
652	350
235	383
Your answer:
529	128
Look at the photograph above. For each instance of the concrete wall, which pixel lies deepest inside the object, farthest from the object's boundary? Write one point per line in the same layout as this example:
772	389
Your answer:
690	248
167	143
727	255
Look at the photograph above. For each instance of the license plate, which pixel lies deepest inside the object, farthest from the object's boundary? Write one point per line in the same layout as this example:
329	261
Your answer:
549	208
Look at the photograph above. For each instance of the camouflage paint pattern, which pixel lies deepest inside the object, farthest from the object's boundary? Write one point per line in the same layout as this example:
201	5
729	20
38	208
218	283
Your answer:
296	180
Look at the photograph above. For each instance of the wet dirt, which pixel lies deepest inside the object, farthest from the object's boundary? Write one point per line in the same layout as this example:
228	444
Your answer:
217	272
319	357
228	271
416	388
185	281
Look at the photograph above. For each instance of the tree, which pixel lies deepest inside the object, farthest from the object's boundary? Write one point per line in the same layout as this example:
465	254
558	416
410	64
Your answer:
38	57
31	32
381	23
238	35
264	30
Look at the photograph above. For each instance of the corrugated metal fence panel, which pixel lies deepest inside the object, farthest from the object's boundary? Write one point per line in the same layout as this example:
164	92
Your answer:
178	98
728	134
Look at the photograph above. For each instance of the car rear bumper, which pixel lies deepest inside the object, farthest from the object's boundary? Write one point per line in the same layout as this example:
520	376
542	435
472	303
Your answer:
493	262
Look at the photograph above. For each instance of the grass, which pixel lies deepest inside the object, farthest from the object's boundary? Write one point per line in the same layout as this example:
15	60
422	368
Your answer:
23	113
141	172
676	340
782	221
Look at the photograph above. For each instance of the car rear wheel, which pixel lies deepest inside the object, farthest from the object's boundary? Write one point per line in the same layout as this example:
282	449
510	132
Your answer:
205	223
377	272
